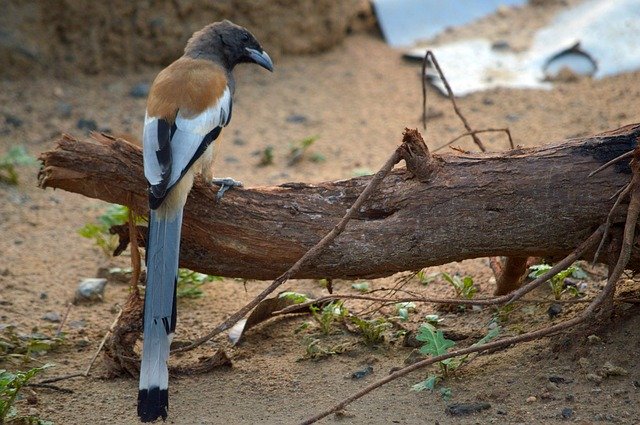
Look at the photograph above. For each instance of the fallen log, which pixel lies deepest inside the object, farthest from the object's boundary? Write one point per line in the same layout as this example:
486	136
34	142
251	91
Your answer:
521	203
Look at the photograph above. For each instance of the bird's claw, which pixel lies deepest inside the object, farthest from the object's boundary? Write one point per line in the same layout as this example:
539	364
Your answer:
225	184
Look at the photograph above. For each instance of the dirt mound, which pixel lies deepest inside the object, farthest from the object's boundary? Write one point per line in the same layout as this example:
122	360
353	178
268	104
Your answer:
67	36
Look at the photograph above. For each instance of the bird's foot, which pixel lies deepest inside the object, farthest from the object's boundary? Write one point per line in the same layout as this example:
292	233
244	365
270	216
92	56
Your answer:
225	184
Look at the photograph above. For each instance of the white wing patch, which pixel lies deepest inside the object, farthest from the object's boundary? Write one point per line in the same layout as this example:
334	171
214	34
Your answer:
186	139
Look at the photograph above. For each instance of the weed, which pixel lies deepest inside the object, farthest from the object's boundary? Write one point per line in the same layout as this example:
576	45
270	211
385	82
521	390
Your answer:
435	344
372	331
425	278
295	297
315	350
361	286
10	385
556	283
403	310
20	347
99	232
190	283
361	172
16	156
463	286
266	157
298	149
328	315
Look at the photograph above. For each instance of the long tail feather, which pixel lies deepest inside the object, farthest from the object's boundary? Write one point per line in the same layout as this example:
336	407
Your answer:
163	247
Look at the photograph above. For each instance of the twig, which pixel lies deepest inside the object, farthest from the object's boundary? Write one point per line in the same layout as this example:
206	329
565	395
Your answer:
429	55
486	130
623	194
104	340
64	319
50	387
310	254
610	163
61	378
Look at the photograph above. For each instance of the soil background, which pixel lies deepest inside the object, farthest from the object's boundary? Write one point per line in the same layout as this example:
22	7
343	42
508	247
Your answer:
356	98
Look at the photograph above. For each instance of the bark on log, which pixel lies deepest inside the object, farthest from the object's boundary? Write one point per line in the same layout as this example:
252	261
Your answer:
525	202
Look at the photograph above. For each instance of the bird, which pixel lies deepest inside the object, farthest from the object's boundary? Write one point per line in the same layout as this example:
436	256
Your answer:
189	103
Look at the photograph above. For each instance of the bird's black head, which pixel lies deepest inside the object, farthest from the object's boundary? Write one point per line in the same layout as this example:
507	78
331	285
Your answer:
229	44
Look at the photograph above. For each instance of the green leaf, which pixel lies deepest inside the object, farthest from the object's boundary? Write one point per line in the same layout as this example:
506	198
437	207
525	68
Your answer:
427	384
361	286
295	297
435	342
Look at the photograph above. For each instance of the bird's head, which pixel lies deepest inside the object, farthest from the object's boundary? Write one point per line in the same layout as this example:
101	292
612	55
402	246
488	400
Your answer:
228	43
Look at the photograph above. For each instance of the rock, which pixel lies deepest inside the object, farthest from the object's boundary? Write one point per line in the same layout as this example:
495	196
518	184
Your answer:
64	109
557	379
595	378
359	374
87	125
552	387
610	370
554	310
462	409
90	290
594	339
52	317
566	413
77	324
531	399
13	121
297	119
140	90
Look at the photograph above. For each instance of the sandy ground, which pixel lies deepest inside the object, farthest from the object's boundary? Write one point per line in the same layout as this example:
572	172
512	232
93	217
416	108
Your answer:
357	99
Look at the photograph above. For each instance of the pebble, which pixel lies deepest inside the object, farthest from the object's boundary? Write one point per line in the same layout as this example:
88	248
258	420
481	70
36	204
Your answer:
610	370
51	317
531	399
13	121
554	310
595	378
87	125
359	374
567	413
297	119
461	409
91	289
594	339
64	109
140	90
557	379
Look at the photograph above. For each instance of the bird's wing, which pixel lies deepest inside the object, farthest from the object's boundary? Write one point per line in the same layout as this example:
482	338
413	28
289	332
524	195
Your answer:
174	138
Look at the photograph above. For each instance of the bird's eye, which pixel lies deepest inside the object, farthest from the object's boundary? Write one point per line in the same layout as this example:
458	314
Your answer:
245	37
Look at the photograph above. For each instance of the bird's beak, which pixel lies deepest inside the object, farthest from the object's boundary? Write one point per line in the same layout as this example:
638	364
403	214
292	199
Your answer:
261	58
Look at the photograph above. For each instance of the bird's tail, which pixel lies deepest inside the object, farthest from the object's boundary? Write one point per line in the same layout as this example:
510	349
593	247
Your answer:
163	246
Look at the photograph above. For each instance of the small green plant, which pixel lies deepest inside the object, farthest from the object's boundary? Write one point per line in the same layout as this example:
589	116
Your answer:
361	286
10	385
316	350
425	278
328	315
190	283
294	297
361	172
17	156
18	347
297	150
372	331
266	157
556	283
99	232
435	344
463	286
403	310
